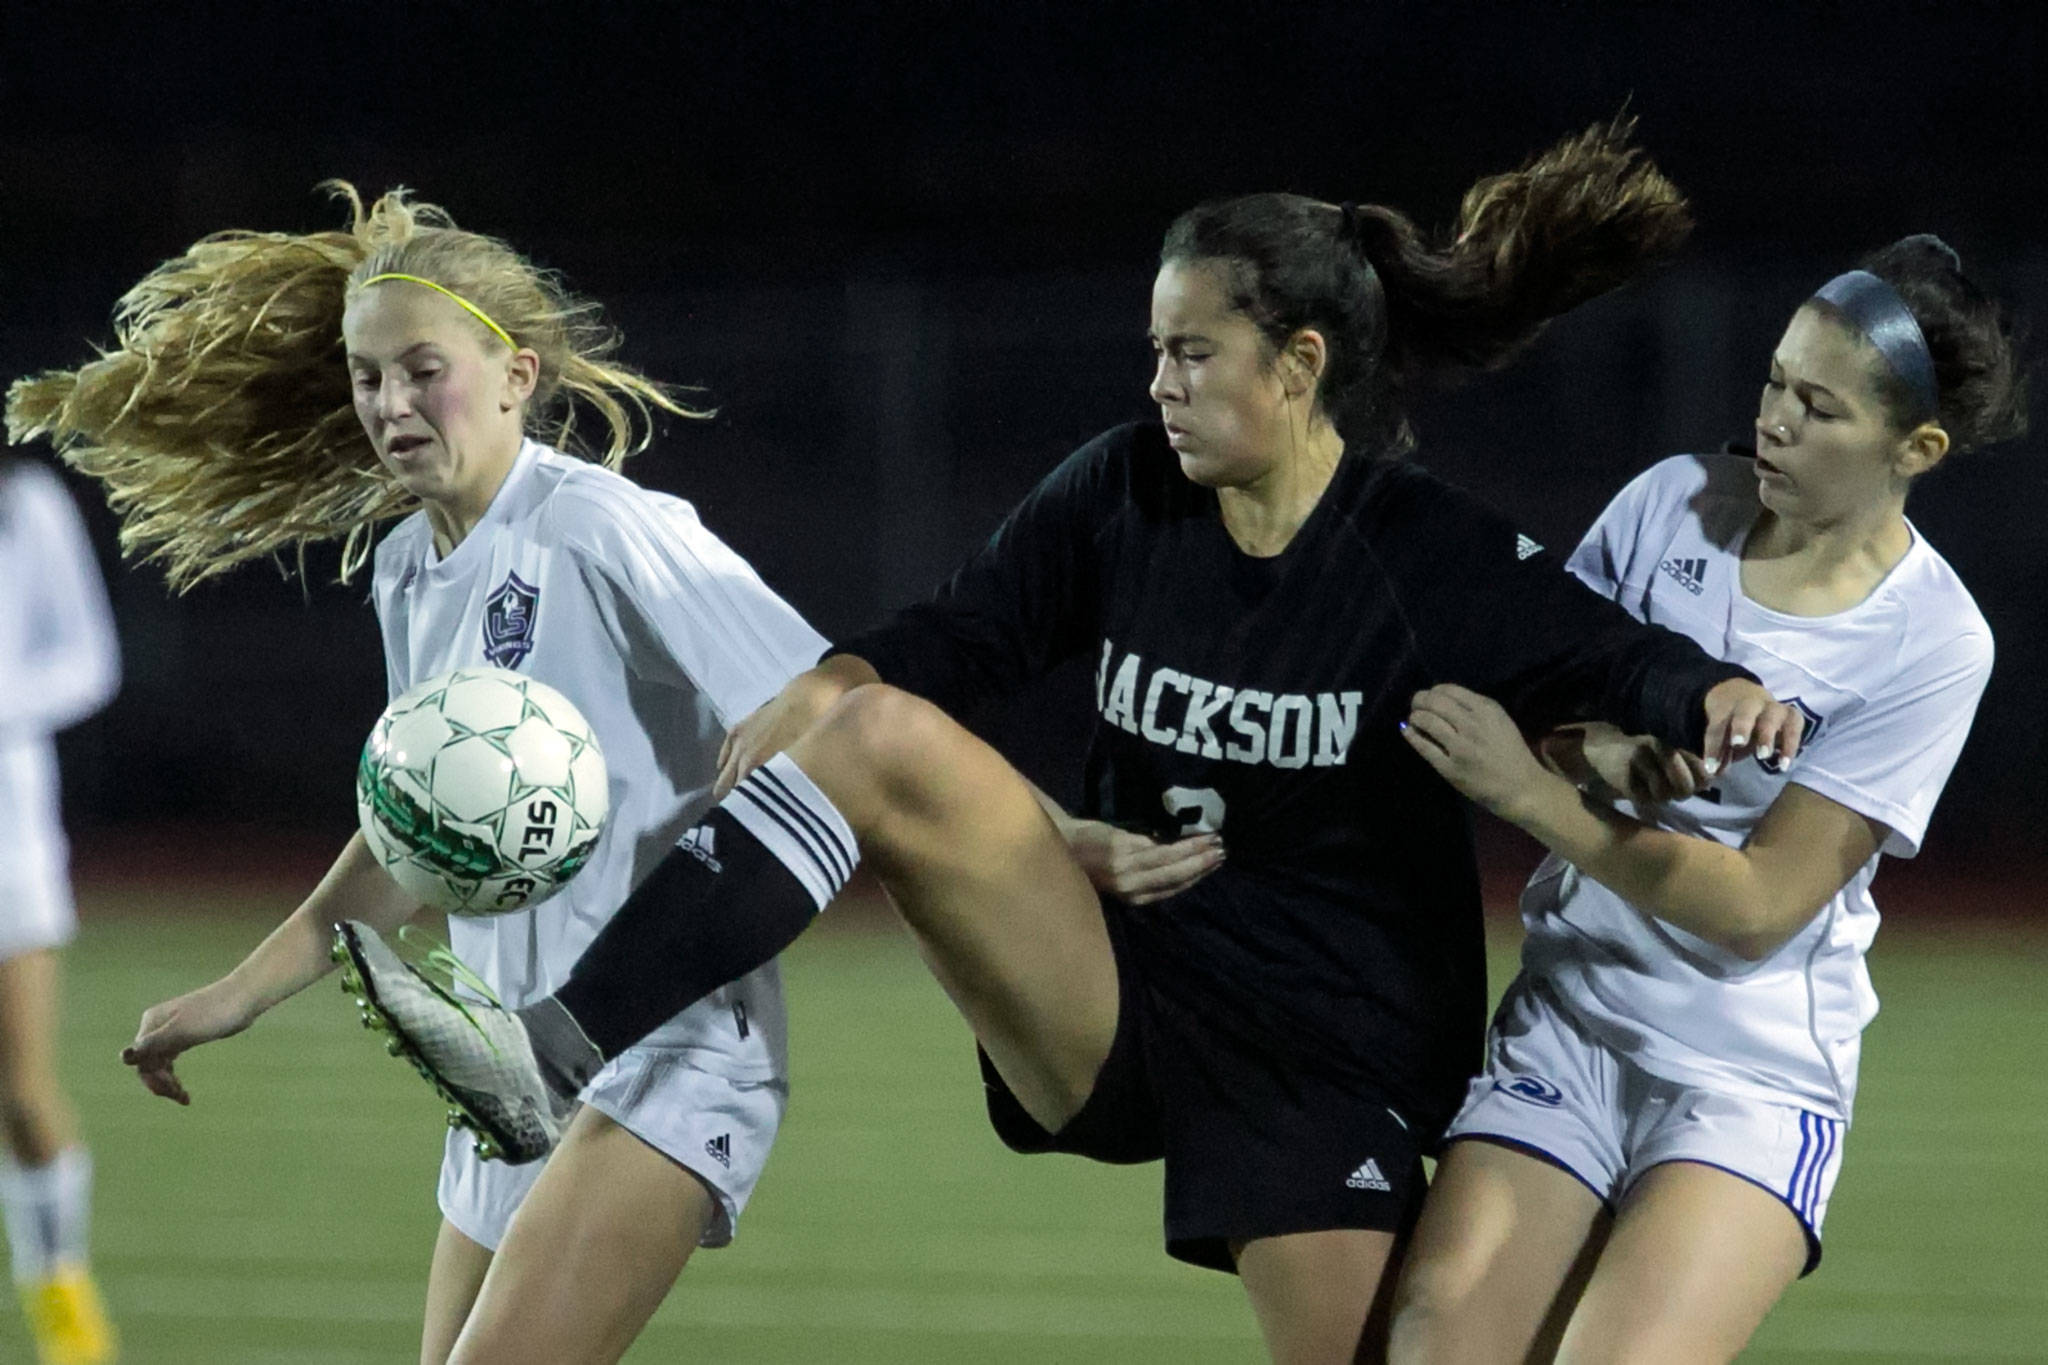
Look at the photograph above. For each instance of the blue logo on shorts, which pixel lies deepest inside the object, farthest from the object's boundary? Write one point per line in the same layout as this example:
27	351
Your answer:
1533	1090
508	622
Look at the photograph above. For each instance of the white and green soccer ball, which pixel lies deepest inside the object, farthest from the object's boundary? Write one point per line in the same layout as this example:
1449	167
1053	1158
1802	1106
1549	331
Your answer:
481	791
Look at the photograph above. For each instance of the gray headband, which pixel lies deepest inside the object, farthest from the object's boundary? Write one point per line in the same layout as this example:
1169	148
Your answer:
1875	309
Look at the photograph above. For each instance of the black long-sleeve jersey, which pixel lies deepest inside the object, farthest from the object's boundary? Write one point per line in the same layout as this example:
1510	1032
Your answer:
1262	696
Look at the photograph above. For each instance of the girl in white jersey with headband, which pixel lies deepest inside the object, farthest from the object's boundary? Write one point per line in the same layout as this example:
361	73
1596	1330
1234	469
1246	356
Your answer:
270	390
1645	1164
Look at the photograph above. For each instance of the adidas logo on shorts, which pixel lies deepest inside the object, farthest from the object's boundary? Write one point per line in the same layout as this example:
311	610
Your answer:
720	1150
1367	1177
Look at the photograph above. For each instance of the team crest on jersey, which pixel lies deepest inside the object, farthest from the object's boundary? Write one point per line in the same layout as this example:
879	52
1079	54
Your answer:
509	615
1814	721
1533	1090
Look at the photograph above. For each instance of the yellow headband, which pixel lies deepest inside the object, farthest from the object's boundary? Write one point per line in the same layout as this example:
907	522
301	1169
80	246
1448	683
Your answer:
479	314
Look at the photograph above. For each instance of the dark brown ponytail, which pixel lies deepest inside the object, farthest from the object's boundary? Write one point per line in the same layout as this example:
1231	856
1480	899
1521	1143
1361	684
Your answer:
1395	304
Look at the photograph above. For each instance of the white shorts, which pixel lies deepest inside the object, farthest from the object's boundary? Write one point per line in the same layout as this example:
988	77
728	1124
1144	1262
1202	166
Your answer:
1554	1090
35	910
718	1129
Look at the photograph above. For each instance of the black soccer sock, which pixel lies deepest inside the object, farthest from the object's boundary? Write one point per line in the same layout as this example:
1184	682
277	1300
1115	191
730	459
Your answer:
735	891
568	1060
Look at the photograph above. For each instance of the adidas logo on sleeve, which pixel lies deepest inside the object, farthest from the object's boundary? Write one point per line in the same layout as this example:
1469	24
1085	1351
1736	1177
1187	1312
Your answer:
1367	1177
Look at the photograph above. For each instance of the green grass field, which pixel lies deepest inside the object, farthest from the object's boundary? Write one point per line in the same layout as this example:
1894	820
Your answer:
287	1216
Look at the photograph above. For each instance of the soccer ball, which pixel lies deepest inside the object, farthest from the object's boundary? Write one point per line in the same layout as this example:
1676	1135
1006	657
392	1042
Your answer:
481	791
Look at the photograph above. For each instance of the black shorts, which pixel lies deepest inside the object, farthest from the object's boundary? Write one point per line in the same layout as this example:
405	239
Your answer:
1255	1145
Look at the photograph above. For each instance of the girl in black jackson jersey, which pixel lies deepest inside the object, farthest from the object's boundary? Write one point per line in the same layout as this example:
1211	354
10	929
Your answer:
1289	1028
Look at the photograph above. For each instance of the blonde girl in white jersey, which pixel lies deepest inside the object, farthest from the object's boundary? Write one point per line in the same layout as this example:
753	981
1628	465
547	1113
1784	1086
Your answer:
271	390
1644	1165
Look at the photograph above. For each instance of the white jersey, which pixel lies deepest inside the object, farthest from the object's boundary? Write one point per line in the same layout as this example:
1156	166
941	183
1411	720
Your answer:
1888	688
664	639
58	659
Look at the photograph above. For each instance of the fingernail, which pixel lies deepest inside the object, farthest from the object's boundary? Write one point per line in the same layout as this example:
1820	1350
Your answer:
1764	752
1712	765
1739	742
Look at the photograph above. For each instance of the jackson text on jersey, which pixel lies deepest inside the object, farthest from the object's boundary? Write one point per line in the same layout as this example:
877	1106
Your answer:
1217	720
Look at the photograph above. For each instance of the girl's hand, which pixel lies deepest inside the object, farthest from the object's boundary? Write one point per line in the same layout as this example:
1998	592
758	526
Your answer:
784	717
1136	868
1475	747
1743	718
175	1026
1612	766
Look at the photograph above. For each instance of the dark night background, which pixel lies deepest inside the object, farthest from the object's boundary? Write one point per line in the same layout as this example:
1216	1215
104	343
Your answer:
907	251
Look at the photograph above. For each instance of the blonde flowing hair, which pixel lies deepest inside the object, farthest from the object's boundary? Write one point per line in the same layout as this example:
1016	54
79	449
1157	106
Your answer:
221	421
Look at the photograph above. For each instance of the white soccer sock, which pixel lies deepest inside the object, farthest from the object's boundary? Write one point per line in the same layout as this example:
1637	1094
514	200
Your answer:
48	1212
